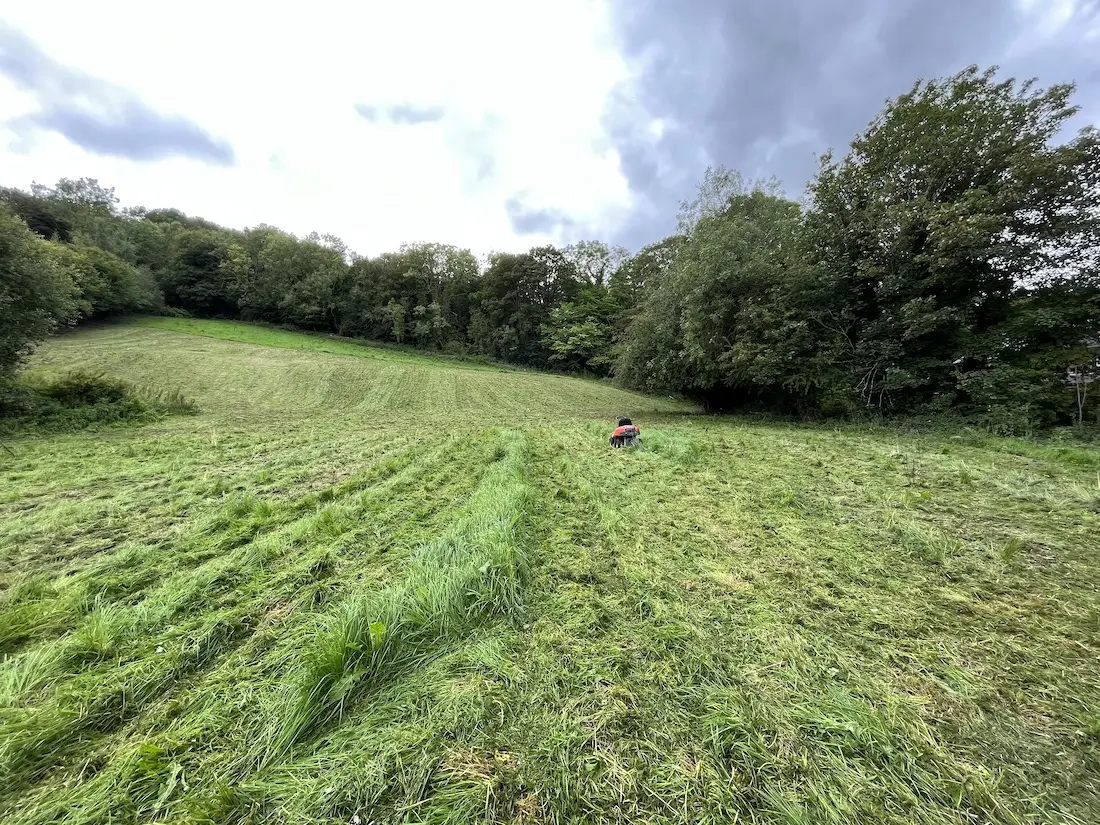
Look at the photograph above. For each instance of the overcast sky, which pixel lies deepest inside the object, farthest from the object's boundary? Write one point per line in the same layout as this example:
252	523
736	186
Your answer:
490	124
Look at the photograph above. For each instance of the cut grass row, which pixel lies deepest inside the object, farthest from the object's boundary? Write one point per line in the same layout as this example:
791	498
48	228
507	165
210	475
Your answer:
472	572
243	561
269	336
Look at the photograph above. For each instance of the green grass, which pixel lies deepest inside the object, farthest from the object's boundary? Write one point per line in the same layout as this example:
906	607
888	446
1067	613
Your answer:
270	336
363	583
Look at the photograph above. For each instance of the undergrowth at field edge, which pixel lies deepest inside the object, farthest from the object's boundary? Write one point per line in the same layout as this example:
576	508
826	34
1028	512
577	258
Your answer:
38	403
403	592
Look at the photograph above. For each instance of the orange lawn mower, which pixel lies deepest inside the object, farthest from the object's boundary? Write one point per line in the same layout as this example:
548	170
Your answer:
627	434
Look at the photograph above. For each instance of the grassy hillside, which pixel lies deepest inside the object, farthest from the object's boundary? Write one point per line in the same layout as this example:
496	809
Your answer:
364	586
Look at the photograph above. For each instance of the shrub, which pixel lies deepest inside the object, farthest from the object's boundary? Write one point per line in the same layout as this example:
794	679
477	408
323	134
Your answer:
77	400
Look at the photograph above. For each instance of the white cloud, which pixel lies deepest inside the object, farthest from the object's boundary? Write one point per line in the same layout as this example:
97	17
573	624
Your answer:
521	86
1046	18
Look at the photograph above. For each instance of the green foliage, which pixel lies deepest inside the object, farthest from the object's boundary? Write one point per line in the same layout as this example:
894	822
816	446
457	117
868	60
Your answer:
83	192
193	277
76	400
946	265
43	216
580	333
105	285
516	295
595	262
286	280
423	290
952	220
36	292
708	328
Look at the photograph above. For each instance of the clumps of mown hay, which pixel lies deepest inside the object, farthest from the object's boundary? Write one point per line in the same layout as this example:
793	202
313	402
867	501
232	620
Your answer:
471	572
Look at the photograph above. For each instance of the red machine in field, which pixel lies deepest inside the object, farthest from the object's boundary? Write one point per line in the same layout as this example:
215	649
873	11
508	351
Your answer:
627	434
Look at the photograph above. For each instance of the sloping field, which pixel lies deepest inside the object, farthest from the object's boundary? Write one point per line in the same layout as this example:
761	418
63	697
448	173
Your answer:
366	586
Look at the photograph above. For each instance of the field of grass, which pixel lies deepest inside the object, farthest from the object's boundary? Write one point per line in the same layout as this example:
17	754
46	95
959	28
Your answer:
362	586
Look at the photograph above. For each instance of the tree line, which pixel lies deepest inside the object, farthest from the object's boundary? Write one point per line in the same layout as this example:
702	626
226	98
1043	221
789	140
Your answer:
947	264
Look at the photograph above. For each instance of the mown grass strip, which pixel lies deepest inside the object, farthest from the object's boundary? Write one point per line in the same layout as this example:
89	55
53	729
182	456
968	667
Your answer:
474	570
119	672
268	336
39	609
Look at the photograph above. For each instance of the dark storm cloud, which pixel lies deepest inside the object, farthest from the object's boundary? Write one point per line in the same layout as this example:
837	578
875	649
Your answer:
529	220
765	85
402	114
97	115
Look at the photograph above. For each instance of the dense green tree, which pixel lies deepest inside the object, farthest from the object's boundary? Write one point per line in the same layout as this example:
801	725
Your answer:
636	277
595	261
580	333
91	211
700	328
106	285
192	278
955	204
431	282
170	216
83	192
36	292
397	312
290	280
42	215
516	296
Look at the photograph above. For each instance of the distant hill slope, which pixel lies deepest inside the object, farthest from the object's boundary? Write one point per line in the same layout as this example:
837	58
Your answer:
231	367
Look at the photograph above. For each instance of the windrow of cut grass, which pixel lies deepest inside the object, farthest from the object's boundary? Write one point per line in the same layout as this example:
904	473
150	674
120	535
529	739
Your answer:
473	571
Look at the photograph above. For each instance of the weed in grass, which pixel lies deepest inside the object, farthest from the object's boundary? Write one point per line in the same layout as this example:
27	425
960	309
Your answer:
1010	551
28	671
76	399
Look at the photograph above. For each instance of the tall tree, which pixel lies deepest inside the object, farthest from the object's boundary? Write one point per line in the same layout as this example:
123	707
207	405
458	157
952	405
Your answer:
193	278
700	328
36	292
515	299
579	334
595	261
956	202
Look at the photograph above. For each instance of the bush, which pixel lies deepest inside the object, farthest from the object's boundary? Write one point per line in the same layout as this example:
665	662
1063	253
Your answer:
78	400
79	389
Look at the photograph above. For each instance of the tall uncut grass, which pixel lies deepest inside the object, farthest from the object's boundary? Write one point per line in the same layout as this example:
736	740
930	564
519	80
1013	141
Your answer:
471	572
